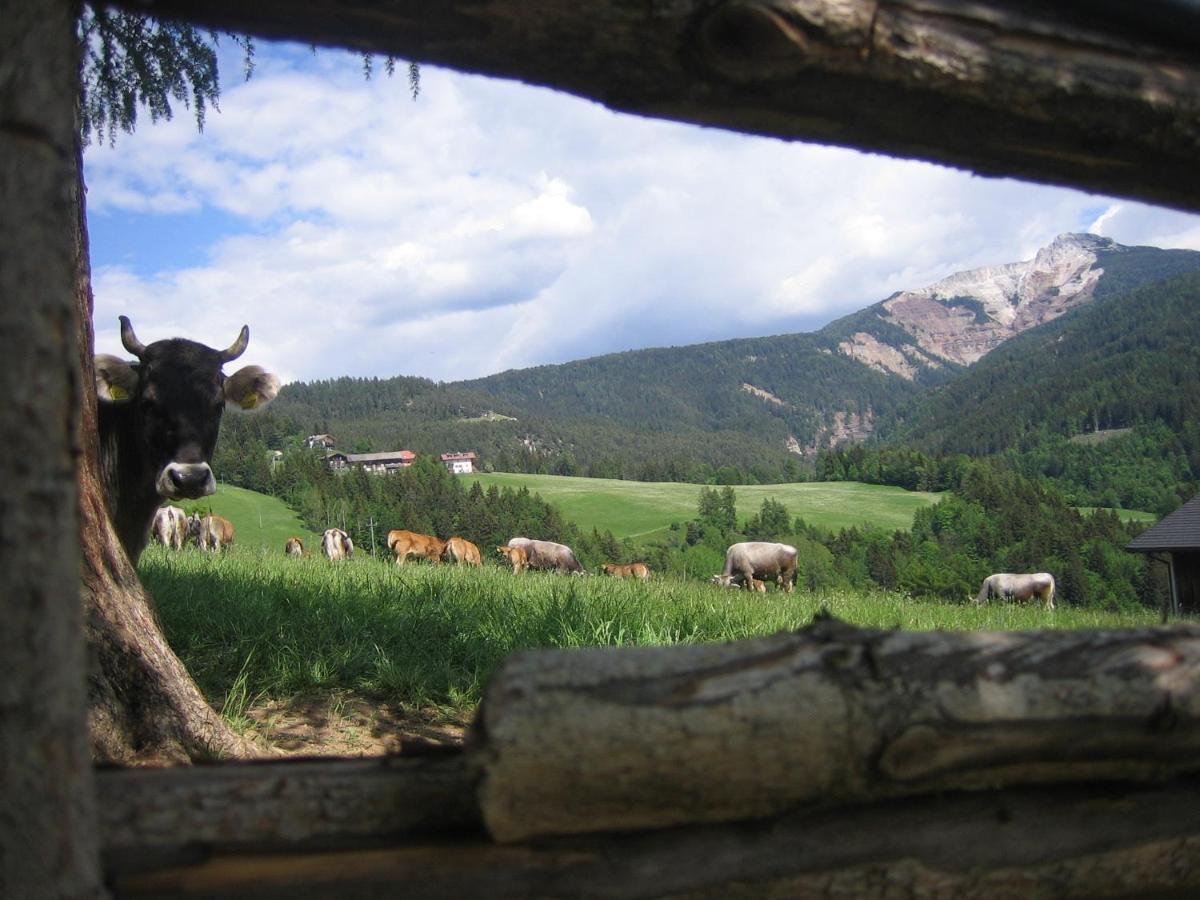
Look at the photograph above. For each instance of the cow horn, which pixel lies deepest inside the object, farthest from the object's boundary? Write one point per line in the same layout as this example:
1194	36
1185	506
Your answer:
129	339
238	347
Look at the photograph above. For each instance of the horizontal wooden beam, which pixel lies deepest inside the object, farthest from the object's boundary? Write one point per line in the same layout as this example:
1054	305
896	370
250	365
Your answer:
574	741
1094	96
1091	840
150	816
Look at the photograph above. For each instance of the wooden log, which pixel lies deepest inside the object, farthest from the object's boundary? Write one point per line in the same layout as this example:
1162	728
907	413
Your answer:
1094	840
1090	95
147	815
603	740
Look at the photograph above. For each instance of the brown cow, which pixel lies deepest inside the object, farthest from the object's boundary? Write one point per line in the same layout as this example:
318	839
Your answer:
638	570
216	533
410	543
517	556
293	547
463	552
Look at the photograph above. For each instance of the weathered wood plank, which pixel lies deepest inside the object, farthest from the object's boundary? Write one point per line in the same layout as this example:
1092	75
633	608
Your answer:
1094	840
603	740
1091	96
285	804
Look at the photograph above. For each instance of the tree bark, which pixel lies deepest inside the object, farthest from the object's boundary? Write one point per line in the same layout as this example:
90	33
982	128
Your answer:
596	740
47	813
1081	94
144	708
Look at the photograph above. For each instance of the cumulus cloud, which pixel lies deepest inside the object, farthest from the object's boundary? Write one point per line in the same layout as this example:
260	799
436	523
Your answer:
489	225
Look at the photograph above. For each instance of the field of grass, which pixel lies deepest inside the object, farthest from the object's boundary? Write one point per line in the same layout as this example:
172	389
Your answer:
639	510
259	521
251	625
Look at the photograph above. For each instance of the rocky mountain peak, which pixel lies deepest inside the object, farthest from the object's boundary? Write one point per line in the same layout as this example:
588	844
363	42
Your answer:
967	315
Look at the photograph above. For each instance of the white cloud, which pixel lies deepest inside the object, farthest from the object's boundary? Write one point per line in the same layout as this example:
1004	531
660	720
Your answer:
489	225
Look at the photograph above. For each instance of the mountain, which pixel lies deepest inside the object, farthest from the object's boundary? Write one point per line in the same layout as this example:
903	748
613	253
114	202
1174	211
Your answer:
766	400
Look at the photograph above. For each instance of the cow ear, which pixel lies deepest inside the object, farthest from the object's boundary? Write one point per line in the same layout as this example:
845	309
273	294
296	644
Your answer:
116	380
250	387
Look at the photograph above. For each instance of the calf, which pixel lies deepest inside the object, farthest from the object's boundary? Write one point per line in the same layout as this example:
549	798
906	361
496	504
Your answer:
404	544
516	556
216	533
293	547
462	552
637	570
157	423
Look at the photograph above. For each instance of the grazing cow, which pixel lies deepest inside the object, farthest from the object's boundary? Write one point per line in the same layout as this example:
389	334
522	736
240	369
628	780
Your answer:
411	543
158	419
548	555
216	533
463	552
336	544
1018	587
170	527
293	547
516	556
638	570
759	560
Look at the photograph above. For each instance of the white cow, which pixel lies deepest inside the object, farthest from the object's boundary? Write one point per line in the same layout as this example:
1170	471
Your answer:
1018	587
760	561
336	544
170	527
548	555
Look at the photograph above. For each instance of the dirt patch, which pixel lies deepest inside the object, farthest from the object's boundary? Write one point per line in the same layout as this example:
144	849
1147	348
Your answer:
352	726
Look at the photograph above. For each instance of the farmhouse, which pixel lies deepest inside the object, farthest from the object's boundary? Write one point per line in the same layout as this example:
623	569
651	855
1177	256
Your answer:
1177	538
376	463
319	442
460	463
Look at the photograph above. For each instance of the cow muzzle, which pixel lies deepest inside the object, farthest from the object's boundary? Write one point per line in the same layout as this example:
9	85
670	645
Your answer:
186	481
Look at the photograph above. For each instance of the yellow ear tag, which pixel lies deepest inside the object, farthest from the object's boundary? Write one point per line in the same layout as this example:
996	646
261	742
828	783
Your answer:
116	392
250	400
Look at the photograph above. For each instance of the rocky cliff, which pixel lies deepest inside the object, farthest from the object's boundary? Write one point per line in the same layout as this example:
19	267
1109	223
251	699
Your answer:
962	318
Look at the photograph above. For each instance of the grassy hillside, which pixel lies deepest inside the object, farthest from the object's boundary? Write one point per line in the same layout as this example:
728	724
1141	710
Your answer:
637	509
260	521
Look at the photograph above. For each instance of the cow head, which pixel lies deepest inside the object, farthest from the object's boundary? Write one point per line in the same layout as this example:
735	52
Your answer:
175	393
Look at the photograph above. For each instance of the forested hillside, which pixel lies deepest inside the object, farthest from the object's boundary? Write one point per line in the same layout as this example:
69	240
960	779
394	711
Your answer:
771	409
1130	360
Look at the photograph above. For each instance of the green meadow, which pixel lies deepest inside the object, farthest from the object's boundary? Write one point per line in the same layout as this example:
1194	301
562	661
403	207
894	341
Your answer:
260	521
252	625
639	510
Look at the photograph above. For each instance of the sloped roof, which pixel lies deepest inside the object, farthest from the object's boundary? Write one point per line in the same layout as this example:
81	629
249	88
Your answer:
1178	531
386	456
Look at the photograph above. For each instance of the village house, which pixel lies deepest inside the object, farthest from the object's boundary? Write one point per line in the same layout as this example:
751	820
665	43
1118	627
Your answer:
460	463
319	442
1175	541
375	463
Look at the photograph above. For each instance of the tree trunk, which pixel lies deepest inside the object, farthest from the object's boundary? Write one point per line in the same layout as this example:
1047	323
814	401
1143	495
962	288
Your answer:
144	708
593	740
48	840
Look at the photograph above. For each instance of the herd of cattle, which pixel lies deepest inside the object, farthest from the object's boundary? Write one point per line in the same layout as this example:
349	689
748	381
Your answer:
157	423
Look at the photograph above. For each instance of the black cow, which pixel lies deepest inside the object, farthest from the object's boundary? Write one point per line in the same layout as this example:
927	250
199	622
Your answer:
158	424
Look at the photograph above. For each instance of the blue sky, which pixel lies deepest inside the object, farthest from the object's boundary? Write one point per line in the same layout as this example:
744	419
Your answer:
489	225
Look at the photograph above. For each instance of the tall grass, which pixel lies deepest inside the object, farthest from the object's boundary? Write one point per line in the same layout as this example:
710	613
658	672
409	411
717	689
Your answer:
250	624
